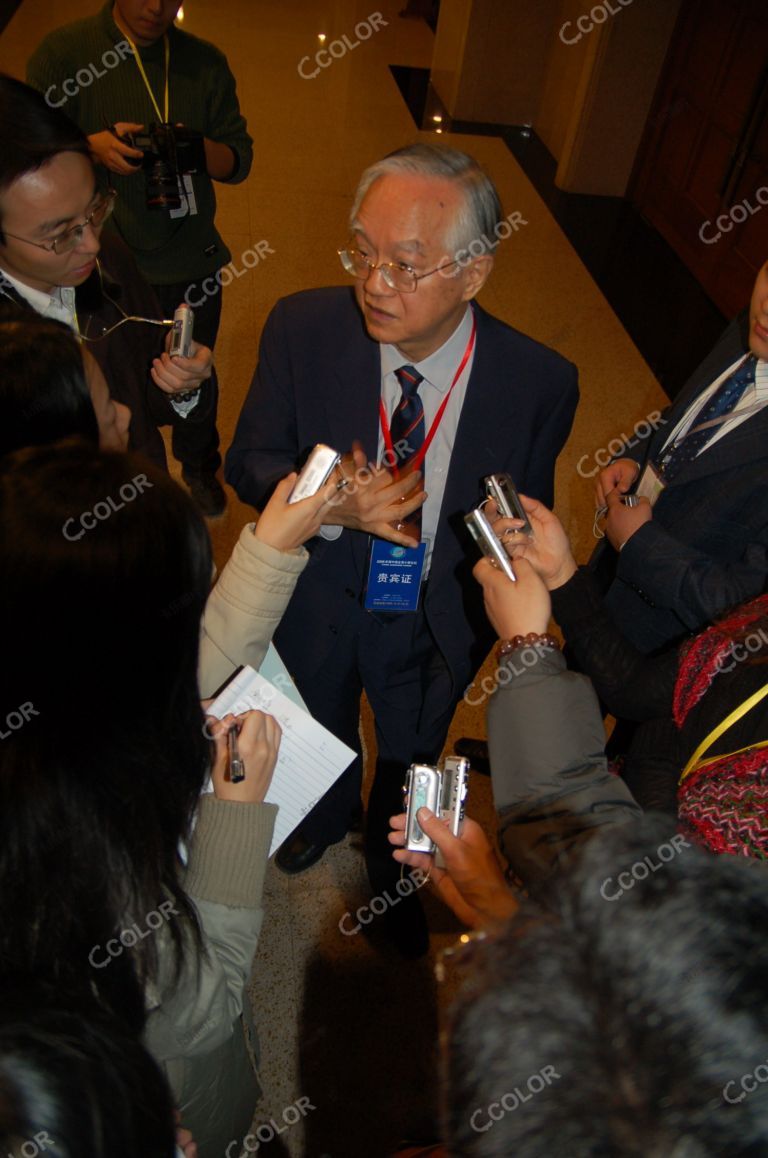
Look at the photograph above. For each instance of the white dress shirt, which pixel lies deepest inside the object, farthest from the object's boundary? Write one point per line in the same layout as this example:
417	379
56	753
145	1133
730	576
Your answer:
753	399
59	305
438	371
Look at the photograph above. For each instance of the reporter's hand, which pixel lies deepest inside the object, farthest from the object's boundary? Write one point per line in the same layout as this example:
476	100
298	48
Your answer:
115	154
373	501
619	475
285	525
185	1140
472	884
175	375
258	743
622	521
514	608
547	549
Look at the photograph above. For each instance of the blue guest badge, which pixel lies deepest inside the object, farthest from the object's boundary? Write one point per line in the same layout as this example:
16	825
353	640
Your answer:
394	576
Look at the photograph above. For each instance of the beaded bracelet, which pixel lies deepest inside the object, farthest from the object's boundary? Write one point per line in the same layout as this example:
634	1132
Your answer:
186	395
543	639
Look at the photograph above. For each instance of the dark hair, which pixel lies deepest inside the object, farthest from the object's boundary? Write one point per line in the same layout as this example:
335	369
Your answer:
44	396
76	1084
31	132
105	566
620	1024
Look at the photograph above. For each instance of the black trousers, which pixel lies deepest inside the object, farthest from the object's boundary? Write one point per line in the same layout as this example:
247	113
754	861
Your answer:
394	659
196	444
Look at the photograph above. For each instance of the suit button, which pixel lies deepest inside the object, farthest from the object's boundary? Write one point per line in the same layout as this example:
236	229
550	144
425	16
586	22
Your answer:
348	591
334	628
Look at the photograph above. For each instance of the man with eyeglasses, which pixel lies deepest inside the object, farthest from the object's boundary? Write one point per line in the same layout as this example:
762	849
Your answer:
407	369
54	260
152	73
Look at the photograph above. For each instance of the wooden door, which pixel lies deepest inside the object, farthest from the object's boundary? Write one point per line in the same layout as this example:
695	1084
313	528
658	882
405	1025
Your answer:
702	173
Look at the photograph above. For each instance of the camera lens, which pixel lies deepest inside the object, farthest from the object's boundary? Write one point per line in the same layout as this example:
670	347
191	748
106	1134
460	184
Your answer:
162	187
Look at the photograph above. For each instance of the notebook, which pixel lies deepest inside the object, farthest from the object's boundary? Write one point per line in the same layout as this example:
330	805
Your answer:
310	759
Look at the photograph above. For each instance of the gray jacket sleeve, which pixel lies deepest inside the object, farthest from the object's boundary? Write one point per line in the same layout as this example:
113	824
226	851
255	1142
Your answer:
228	852
245	607
551	783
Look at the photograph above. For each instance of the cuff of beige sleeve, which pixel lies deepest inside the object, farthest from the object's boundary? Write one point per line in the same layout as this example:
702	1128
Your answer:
292	562
228	851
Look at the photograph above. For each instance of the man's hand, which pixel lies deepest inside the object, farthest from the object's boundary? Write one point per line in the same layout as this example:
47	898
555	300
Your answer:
623	521
285	525
514	608
175	375
220	159
185	1141
472	884
107	149
619	475
547	549
372	501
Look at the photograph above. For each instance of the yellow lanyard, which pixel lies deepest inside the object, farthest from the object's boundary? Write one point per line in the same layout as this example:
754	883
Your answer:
723	726
140	66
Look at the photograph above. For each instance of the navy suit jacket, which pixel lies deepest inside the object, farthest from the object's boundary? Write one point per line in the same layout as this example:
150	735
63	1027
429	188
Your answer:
318	380
706	548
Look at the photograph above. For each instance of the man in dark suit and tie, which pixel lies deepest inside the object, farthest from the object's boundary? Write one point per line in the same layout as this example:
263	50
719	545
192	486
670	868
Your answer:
697	543
405	365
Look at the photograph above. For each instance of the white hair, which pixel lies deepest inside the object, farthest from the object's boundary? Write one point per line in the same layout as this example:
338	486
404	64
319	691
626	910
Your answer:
481	211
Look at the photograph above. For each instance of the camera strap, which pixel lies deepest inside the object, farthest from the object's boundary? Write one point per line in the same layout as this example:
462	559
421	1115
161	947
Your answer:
696	760
140	65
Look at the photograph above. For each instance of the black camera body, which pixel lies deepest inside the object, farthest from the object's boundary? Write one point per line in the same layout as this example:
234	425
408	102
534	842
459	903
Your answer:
170	152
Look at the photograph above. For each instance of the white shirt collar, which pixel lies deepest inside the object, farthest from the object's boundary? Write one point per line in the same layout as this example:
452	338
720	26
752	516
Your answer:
59	305
440	367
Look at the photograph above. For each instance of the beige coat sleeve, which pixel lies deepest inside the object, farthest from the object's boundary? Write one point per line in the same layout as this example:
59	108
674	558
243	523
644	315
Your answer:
224	878
245	607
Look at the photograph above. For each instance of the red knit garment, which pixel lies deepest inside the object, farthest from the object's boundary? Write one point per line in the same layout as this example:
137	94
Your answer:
704	657
724	804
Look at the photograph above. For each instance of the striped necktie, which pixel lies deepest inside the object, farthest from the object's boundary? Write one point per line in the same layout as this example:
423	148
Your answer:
719	406
407	429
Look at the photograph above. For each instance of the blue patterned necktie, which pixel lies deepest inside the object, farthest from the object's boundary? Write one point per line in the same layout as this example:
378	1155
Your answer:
720	404
407	429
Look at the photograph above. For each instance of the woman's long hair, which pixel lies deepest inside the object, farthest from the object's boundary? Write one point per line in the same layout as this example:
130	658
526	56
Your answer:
104	567
75	1082
44	395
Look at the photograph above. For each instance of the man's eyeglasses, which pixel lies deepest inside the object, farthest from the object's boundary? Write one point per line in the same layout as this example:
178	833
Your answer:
71	238
396	274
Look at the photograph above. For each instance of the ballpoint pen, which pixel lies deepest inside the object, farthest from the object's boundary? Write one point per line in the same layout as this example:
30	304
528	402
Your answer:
236	765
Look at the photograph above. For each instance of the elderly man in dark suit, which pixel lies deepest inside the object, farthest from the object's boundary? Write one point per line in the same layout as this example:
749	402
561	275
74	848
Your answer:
697	542
402	364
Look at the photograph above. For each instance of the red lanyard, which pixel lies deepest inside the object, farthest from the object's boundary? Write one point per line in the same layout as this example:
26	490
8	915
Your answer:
418	458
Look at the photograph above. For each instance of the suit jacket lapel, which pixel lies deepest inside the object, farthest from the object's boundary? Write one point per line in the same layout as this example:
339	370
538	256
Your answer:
477	439
748	442
352	402
731	346
742	445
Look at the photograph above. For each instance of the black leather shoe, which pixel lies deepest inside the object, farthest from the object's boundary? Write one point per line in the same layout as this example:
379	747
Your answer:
207	492
298	853
476	751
